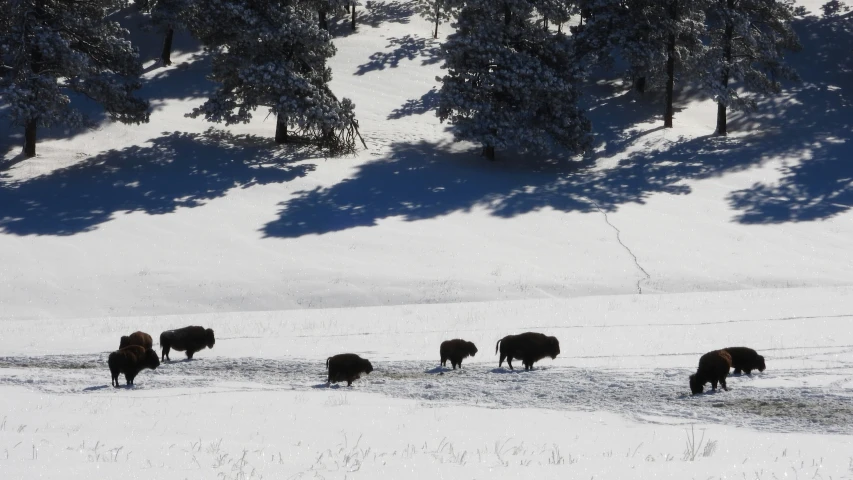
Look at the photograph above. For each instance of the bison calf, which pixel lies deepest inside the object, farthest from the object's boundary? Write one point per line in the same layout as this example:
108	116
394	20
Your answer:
347	366
191	339
529	347
136	338
713	367
746	359
130	361
455	350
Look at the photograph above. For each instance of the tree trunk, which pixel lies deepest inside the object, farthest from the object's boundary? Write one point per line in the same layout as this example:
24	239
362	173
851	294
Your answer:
507	14
353	17
166	54
489	152
724	79
640	84
30	138
670	70
437	17
324	24
346	5
281	129
545	23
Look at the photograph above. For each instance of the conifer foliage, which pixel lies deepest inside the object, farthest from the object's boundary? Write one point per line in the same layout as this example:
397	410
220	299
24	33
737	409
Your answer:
748	41
51	48
509	82
273	54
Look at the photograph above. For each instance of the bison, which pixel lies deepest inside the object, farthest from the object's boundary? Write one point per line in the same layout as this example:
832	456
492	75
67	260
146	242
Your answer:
347	366
136	338
456	350
746	359
713	367
130	361
529	347
192	339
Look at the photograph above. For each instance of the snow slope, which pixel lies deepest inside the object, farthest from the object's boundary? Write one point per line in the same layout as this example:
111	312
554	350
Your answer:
669	244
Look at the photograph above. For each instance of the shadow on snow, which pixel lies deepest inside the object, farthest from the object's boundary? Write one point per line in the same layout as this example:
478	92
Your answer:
176	170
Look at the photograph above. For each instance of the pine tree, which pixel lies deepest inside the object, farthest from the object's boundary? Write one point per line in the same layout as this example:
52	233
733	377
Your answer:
273	54
50	48
171	15
657	38
436	10
748	41
509	82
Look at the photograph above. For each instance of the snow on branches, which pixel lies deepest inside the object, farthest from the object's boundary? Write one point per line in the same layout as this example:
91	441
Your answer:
50	48
510	82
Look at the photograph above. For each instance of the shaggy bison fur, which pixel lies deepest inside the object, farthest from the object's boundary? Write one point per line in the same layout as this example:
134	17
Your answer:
455	350
347	367
713	367
529	347
746	359
136	338
130	361
192	339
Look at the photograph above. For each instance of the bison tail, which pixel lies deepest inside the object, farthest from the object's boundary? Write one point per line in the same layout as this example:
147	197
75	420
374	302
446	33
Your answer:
496	345
327	362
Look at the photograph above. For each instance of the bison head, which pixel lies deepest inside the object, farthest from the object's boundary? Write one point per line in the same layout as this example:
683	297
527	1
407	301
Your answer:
125	341
208	334
696	386
367	367
472	349
152	360
553	347
761	365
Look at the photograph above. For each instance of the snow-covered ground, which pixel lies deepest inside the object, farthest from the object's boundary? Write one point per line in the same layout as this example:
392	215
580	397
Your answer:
672	243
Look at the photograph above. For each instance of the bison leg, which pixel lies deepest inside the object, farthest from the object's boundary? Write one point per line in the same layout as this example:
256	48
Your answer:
190	353
747	371
165	355
737	371
443	361
114	379
714	384
723	383
509	362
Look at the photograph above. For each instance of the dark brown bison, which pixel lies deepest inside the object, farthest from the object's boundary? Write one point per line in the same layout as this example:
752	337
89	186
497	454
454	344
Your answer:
746	359
713	367
191	339
347	366
455	350
529	347
130	361
136	338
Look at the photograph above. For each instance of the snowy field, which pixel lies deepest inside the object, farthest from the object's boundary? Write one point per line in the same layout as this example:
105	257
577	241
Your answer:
670	244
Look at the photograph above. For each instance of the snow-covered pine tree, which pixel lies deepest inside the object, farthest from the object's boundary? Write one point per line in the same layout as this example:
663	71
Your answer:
171	15
748	42
273	54
657	39
435	11
556	12
509	82
50	48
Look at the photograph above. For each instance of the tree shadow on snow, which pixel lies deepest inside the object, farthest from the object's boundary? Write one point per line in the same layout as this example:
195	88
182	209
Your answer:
420	106
175	170
811	126
408	47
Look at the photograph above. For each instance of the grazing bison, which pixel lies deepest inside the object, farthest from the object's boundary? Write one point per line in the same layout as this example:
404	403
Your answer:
456	350
191	339
529	347
713	367
347	366
746	359
130	361
136	338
